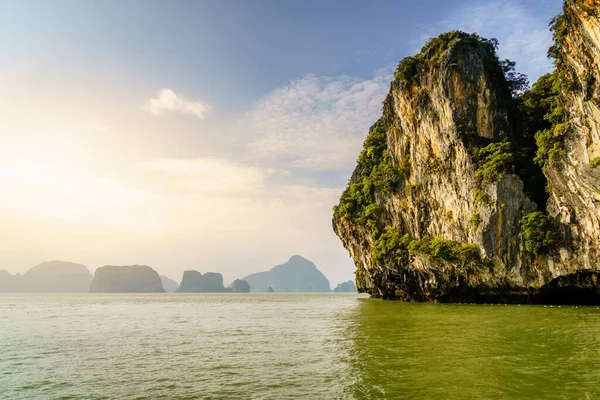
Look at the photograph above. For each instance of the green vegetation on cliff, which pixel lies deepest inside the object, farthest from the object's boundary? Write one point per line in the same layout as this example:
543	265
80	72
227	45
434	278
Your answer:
544	118
431	56
494	161
393	246
376	175
538	233
542	106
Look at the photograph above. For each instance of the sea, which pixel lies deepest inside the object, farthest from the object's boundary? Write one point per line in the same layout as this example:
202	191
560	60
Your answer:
292	346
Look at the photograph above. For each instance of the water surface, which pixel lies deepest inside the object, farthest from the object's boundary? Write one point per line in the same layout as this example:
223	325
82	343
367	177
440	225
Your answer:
292	346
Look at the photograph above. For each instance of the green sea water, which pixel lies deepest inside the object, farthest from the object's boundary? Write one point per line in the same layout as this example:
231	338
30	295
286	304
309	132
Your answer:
292	346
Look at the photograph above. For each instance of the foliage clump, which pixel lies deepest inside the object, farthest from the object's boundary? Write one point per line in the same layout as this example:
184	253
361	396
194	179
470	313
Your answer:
475	221
545	119
431	57
407	69
595	163
517	82
560	27
393	246
493	161
538	233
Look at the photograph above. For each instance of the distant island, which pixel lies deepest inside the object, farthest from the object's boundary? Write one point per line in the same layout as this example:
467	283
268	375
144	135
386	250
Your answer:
210	282
195	282
296	275
348	287
239	286
48	277
126	279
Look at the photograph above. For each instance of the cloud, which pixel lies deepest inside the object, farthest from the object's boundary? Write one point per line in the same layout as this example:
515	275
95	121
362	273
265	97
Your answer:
314	123
317	124
523	33
168	100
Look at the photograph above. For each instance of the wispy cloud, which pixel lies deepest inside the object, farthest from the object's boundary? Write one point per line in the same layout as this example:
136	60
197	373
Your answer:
523	33
314	123
318	124
168	100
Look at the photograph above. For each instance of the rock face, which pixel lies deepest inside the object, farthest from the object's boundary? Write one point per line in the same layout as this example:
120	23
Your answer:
441	204
168	284
126	279
349	287
270	290
48	277
296	275
239	286
195	282
575	181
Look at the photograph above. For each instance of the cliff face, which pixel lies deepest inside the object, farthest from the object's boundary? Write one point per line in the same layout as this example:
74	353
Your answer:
575	180
440	206
126	279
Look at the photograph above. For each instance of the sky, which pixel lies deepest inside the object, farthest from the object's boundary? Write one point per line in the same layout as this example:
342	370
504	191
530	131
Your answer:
206	135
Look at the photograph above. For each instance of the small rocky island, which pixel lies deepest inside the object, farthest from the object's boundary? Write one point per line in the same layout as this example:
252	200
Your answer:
195	282
239	286
348	287
472	187
296	275
126	279
210	282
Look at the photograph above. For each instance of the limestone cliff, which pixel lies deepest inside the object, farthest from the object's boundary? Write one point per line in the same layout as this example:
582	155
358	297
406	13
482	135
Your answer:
442	204
574	180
